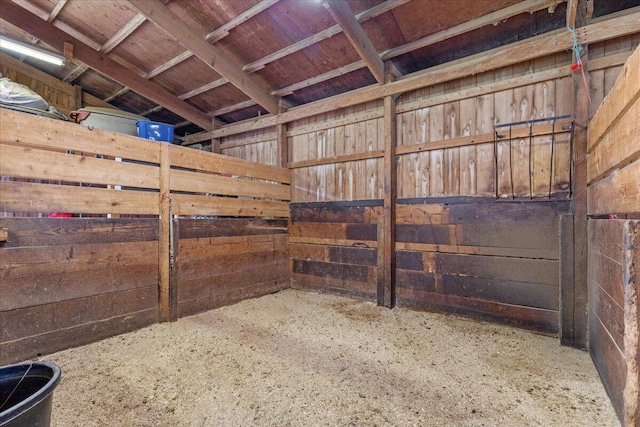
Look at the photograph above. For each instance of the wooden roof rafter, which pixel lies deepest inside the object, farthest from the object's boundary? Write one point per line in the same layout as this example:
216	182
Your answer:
213	57
527	6
215	35
343	15
120	36
56	10
322	35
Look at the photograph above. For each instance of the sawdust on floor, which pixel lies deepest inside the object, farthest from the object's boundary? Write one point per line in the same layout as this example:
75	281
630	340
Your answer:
304	359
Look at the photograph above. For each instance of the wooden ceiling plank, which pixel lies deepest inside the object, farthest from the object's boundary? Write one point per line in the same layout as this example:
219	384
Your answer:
343	15
322	35
75	73
288	90
123	33
110	44
197	91
209	54
223	30
151	110
235	107
56	38
572	10
611	27
118	93
169	64
56	10
500	15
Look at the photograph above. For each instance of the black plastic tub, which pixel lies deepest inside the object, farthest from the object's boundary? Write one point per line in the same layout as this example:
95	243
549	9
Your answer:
26	394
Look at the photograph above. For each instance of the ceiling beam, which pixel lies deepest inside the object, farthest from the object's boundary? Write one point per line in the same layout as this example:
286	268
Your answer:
343	15
610	27
527	6
214	36
223	30
56	10
209	54
322	35
124	32
56	38
110	44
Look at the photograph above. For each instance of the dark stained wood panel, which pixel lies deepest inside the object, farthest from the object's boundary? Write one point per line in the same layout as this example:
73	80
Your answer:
67	282
489	259
222	261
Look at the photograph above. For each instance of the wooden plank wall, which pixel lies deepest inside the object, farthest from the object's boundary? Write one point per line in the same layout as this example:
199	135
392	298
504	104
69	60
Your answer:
222	261
333	247
613	173
492	259
259	146
68	282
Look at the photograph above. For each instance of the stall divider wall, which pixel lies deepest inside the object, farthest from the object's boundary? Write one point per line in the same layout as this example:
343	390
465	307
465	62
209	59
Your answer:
456	152
614	241
196	230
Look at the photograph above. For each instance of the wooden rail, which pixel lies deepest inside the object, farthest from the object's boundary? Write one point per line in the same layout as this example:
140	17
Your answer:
108	173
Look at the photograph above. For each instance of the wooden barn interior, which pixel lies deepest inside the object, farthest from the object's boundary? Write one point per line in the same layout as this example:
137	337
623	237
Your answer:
475	157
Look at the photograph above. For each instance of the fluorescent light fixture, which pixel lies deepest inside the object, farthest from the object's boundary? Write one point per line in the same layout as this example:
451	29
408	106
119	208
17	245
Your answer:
32	51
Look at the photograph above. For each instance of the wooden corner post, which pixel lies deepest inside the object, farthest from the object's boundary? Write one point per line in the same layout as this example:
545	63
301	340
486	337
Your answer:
282	141
387	222
164	237
574	294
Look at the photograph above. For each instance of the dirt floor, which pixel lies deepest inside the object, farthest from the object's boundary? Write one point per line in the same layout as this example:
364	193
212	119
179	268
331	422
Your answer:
303	359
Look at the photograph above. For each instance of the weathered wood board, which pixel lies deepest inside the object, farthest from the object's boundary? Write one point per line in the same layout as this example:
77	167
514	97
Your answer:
492	259
70	281
222	261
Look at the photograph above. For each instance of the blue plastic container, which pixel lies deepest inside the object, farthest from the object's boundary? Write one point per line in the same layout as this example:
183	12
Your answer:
155	131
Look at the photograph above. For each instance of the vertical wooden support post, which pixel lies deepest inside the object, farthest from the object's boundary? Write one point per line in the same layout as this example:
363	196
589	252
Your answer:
164	268
573	304
387	224
283	142
77	98
631	279
215	142
566	275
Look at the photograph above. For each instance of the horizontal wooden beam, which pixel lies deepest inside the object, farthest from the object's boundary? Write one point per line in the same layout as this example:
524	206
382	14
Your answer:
517	133
560	40
343	15
337	159
56	38
209	54
224	29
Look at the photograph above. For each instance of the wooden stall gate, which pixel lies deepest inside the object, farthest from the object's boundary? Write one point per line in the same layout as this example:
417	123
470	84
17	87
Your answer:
181	219
613	193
